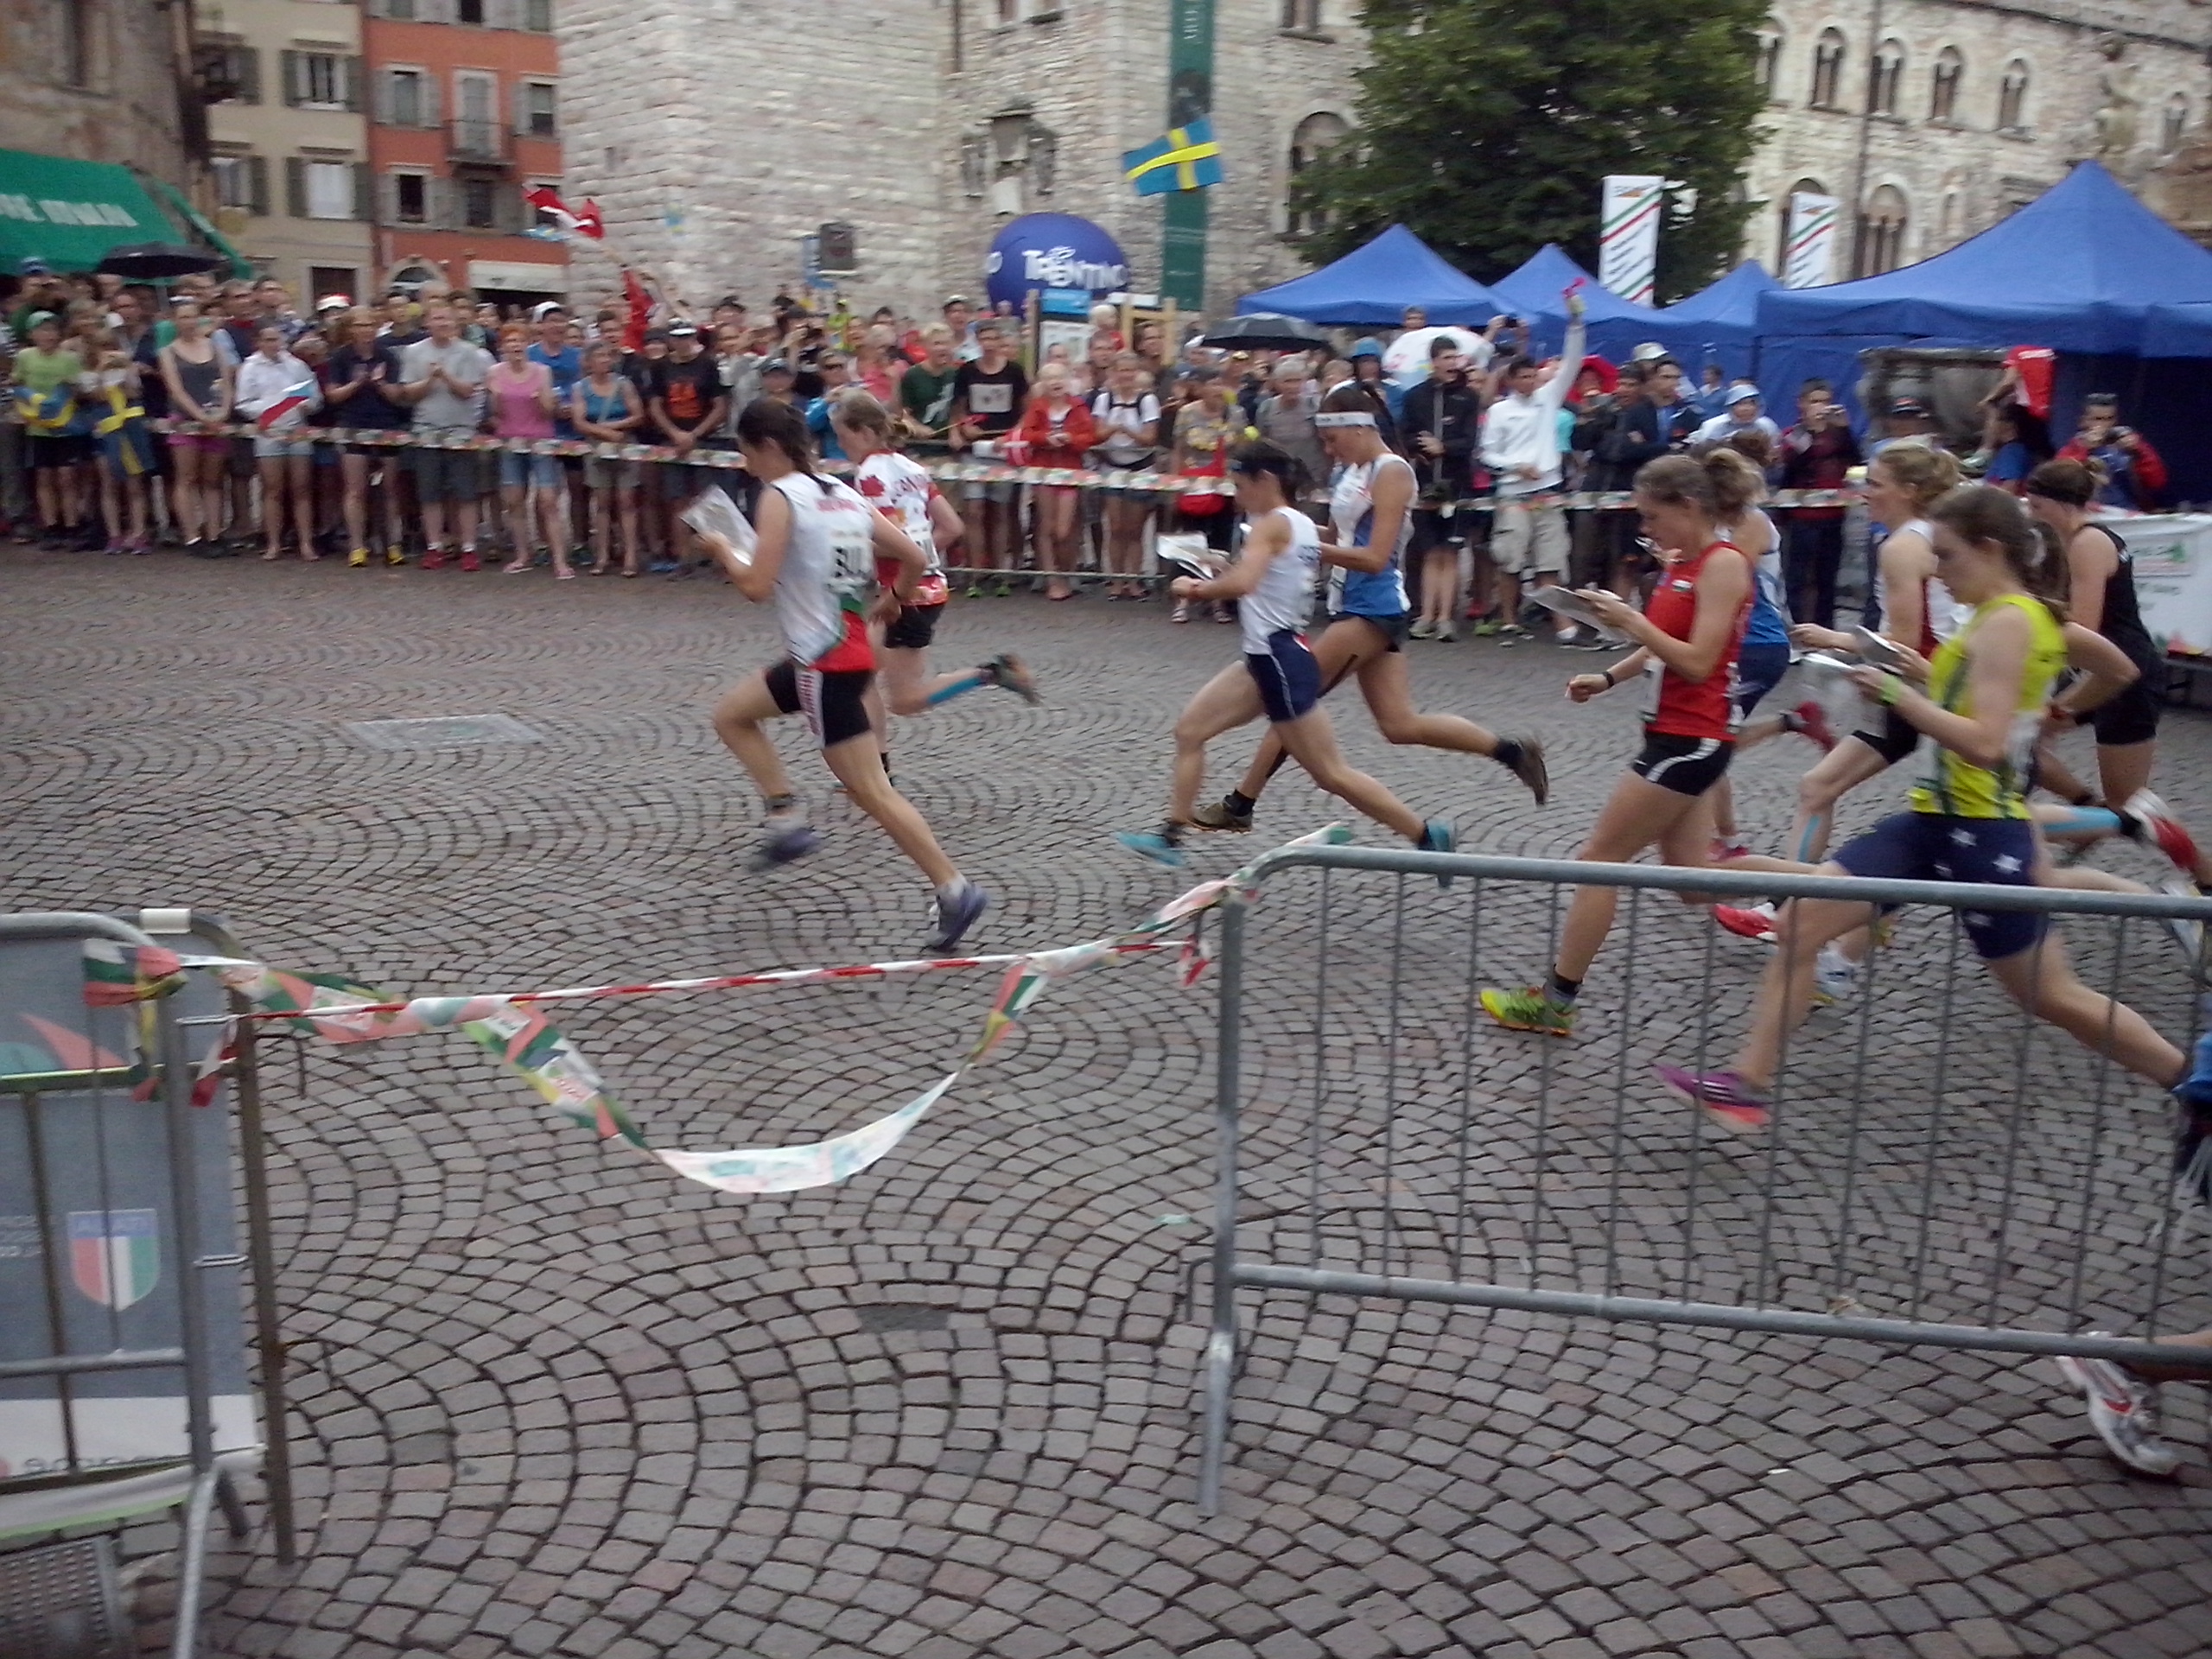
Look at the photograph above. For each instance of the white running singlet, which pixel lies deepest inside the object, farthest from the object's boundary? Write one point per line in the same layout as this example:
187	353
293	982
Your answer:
1284	597
828	566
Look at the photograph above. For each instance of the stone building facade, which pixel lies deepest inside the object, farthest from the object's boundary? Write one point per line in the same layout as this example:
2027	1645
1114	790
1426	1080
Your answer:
715	133
1932	119
99	80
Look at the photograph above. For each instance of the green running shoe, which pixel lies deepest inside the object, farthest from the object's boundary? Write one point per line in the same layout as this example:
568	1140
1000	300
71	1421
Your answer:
1532	1009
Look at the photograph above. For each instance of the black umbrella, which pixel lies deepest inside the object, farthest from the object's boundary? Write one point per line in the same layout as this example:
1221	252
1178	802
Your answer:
1265	332
149	261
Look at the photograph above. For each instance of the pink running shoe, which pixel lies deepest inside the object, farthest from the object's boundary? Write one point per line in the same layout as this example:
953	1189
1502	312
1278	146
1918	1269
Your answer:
1724	1098
1813	722
1754	922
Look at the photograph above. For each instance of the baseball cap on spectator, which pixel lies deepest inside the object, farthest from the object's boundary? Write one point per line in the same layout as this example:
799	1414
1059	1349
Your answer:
1369	346
1911	406
1742	393
775	366
333	302
34	266
538	312
680	326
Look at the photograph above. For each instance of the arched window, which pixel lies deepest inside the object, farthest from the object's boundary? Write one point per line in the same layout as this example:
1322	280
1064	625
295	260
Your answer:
1881	233
1827	70
1802	188
2175	125
1943	89
2012	98
1315	134
1884	74
1769	58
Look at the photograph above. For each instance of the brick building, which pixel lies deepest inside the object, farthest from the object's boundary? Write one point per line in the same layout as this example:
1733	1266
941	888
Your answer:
715	133
464	116
1932	119
289	146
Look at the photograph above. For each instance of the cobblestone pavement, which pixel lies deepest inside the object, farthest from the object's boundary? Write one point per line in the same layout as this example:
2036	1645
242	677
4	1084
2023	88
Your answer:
551	1401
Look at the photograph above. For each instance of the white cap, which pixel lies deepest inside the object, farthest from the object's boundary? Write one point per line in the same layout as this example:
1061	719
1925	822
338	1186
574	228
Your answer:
1649	352
333	302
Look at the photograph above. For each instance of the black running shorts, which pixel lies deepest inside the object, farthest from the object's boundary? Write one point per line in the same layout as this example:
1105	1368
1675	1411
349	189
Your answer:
830	699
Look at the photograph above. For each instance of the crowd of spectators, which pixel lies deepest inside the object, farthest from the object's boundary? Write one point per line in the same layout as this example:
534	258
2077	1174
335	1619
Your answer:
1496	437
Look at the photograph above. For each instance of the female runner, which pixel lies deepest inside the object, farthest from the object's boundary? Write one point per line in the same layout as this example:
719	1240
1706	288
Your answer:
1916	611
1988	688
2100	589
1369	522
816	536
1280	677
1687	643
893	484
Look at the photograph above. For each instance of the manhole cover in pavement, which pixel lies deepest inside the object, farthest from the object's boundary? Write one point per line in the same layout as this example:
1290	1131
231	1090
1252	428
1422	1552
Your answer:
441	732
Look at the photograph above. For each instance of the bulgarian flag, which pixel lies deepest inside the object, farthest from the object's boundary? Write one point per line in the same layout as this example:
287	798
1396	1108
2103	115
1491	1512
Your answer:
547	200
292	399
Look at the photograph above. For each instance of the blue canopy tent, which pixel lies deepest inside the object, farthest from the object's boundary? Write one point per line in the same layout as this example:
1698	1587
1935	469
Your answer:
1371	287
2085	268
1537	293
1718	323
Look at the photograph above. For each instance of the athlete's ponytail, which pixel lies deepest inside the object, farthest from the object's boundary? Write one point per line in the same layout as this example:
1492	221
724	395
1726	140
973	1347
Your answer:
769	421
2069	483
1737	484
856	408
1920	470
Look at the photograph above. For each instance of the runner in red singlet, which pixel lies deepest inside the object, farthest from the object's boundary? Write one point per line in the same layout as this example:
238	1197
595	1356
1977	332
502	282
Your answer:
1686	639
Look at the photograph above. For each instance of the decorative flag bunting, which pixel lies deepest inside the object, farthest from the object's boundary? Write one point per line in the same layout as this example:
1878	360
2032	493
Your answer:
1188	158
1628	235
514	1032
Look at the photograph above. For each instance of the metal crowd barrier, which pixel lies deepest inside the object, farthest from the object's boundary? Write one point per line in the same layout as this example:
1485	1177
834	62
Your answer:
1942	1170
124	1389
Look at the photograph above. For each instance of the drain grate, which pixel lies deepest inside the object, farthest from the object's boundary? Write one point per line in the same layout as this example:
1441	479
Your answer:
440	732
59	1602
902	1316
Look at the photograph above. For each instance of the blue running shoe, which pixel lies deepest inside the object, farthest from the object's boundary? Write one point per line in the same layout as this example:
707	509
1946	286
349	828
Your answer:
956	914
1150	843
1437	837
785	846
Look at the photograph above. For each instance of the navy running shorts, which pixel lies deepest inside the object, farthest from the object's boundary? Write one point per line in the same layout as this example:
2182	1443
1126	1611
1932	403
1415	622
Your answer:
1935	846
1288	678
1759	668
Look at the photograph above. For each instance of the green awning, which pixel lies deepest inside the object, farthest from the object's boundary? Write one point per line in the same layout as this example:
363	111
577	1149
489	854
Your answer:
240	265
70	213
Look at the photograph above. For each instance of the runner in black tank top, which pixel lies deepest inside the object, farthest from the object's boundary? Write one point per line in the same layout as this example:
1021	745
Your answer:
2101	596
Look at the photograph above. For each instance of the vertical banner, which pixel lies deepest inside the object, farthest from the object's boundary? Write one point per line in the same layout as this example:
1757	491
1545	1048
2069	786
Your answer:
1190	97
1807	255
1628	235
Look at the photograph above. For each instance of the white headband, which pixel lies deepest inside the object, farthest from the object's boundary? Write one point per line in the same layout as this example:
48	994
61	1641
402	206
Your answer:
1344	418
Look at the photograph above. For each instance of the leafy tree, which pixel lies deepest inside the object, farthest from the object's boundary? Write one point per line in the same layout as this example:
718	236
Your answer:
1486	125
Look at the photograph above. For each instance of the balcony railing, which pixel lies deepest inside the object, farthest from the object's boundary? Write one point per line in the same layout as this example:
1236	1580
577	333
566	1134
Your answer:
484	143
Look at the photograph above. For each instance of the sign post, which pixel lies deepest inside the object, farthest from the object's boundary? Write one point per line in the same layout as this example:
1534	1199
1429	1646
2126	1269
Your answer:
1190	97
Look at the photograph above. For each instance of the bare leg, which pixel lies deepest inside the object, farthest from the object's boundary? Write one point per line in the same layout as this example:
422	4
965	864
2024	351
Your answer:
299	474
1341	650
1312	743
629	499
868	787
907	686
355	469
272	507
737	719
1785	994
465	511
434	525
1842	769
2049	989
518	520
553	501
1390	699
1637	815
1222	704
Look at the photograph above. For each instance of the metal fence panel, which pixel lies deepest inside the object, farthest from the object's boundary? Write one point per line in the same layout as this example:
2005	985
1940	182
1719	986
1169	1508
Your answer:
1942	1168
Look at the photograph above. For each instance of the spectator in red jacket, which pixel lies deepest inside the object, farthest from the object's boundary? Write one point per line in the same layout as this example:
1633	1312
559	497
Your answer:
1816	453
2135	475
1057	431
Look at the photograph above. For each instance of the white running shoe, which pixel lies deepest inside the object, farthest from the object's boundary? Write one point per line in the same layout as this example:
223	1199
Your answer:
2120	1412
2188	935
1835	977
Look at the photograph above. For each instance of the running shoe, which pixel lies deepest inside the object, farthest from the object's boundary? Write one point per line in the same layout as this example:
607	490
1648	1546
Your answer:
1724	1098
395	557
434	559
469	561
1004	590
1513	631
2120	1410
1583	639
1835	977
1751	922
1485	627
1533	1009
787	843
1437	837
1010	673
1530	768
1220	815
1813	721
2158	825
956	914
1445	634
1152	844
1423	629
358	559
1724	849
1181	612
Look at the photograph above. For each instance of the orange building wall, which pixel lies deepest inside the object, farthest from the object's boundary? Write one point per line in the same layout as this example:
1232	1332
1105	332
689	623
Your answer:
513	56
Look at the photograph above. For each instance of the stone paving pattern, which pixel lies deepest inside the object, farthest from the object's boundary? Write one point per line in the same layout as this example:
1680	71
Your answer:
553	1401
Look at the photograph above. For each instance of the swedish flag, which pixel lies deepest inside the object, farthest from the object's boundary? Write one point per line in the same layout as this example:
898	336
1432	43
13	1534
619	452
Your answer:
1187	159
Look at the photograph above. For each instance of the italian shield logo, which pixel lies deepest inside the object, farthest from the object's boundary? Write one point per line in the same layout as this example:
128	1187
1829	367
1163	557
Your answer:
115	1255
